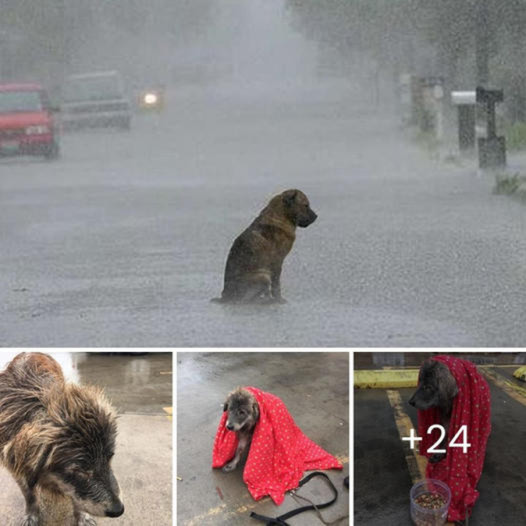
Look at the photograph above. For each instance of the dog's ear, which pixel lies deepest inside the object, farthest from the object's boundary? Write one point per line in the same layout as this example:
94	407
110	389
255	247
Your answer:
289	196
255	408
447	386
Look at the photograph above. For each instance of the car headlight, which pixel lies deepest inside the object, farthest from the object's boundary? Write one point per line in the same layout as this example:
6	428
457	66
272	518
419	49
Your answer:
150	99
37	130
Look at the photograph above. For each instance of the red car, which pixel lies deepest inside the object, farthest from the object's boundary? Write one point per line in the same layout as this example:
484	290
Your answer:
27	123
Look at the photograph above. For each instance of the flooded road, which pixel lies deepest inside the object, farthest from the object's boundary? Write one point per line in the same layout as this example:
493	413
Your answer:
123	241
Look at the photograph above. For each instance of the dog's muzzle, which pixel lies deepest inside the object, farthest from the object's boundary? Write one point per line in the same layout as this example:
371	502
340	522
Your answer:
306	221
116	511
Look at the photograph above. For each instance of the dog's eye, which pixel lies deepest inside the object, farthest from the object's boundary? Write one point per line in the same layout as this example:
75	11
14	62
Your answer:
79	473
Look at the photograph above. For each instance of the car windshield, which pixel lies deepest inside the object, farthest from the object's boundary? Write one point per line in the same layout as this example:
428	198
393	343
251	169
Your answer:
20	101
95	88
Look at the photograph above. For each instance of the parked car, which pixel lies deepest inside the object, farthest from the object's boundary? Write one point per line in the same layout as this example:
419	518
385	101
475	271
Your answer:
27	121
95	100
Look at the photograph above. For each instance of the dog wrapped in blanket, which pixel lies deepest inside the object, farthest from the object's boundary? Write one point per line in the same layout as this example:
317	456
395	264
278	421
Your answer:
279	452
451	392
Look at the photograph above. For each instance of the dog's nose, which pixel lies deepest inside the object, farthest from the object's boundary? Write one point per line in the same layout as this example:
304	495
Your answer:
116	511
230	427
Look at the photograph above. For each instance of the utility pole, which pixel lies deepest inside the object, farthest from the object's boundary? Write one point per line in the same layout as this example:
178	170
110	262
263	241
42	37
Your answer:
482	38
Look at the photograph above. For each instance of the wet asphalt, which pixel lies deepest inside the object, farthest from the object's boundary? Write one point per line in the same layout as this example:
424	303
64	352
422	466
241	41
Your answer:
139	387
123	241
381	478
314	386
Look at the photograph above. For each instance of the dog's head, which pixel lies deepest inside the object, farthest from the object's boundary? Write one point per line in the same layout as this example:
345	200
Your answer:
243	410
79	462
436	386
297	208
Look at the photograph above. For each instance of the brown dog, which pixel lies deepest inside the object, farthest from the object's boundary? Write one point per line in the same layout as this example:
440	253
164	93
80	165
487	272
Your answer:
253	267
57	440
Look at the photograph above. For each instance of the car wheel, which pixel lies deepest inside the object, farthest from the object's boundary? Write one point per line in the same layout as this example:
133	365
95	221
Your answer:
52	152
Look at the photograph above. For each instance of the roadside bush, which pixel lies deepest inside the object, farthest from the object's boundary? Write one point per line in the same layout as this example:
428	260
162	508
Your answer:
516	136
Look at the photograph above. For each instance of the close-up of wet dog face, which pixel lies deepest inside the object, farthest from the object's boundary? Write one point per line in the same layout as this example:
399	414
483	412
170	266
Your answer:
436	386
81	463
243	411
93	487
298	207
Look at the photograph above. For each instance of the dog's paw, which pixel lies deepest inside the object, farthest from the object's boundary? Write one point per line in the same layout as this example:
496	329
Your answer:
30	520
229	467
86	520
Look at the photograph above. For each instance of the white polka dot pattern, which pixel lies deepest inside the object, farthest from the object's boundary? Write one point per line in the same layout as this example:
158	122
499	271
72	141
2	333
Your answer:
279	452
471	407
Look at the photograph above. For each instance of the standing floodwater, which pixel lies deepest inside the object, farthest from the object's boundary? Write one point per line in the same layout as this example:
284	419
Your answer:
123	240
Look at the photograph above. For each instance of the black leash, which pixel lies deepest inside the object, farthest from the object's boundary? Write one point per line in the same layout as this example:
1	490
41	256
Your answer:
280	521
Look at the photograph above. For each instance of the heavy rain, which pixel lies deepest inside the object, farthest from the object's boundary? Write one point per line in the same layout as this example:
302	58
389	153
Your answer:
139	139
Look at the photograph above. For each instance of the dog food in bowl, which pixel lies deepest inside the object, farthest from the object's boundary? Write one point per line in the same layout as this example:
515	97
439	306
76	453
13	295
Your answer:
430	500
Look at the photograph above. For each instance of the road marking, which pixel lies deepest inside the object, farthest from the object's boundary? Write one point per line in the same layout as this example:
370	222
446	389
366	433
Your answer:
415	463
520	373
516	392
344	459
168	410
243	508
222	510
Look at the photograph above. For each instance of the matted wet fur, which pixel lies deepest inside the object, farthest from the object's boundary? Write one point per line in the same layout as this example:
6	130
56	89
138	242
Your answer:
253	267
57	438
243	414
436	388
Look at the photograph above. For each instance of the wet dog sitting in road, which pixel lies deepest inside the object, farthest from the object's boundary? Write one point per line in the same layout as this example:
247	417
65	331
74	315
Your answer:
253	267
243	414
57	438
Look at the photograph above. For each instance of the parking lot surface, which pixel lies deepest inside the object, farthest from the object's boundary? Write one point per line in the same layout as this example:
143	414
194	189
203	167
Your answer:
382	478
314	387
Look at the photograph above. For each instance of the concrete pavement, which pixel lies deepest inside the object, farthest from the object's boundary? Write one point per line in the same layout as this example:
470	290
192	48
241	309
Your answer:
314	387
123	241
143	458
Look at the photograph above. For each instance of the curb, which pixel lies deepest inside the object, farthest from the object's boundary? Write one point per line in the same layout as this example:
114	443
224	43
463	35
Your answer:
385	378
520	373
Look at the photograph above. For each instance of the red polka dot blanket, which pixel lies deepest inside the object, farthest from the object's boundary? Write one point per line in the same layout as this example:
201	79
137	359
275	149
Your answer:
279	452
471	407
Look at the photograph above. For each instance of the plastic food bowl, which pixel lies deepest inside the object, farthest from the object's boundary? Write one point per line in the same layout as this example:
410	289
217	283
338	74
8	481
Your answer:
430	499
